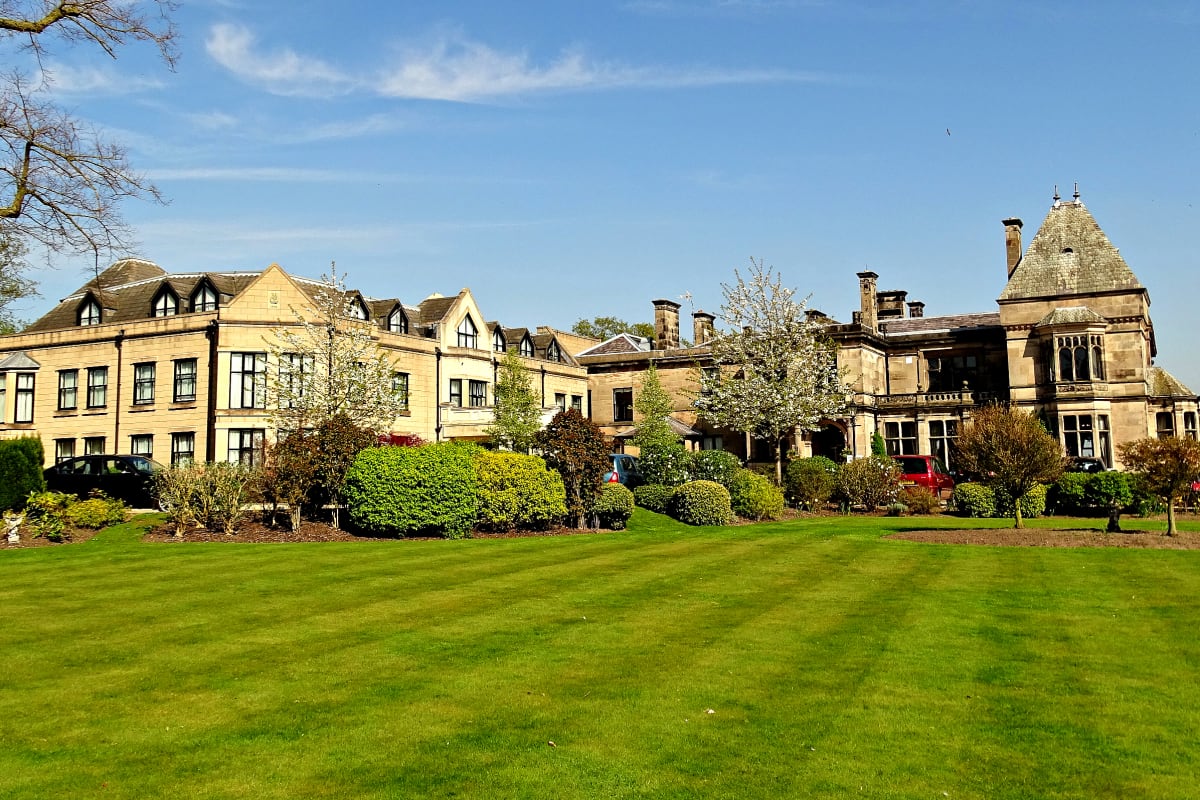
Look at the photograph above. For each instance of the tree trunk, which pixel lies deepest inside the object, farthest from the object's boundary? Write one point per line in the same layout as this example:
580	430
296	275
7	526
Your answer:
1114	520
778	464
1170	516
1019	522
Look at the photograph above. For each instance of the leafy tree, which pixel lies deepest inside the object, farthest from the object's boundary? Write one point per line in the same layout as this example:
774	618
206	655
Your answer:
653	405
872	481
61	179
518	409
776	369
339	441
576	449
878	446
290	473
608	327
1012	448
13	283
330	365
1166	468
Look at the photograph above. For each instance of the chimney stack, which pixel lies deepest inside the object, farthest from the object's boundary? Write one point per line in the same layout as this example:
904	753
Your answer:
916	309
1012	242
702	327
869	315
666	325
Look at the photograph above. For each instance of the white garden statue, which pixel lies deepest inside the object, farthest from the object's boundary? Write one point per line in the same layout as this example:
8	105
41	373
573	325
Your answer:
12	526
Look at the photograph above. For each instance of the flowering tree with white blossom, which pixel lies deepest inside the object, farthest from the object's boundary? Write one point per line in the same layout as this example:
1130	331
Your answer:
775	369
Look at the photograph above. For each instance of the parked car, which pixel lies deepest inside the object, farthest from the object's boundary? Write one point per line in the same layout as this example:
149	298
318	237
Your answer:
927	471
1082	464
128	478
624	471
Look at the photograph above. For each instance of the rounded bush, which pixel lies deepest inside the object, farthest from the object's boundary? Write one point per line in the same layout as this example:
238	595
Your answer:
517	491
1033	504
871	482
718	466
754	497
920	500
20	470
668	464
96	513
810	481
409	490
702	503
614	506
653	496
974	500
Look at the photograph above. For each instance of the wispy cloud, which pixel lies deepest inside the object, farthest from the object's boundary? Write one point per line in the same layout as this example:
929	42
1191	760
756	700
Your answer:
718	7
454	68
66	79
282	71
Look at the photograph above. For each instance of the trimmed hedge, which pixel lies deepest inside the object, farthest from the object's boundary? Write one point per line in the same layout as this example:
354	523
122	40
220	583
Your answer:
702	503
1033	504
654	496
20	470
667	464
409	490
755	497
517	491
614	506
718	466
810	481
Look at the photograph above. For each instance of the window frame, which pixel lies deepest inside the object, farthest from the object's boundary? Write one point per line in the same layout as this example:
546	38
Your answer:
23	398
900	437
248	384
623	409
177	452
468	333
527	349
64	450
397	321
143	383
68	396
400	388
137	440
249	447
90	445
89	313
456	395
477	393
204	298
180	380
499	345
165	304
97	387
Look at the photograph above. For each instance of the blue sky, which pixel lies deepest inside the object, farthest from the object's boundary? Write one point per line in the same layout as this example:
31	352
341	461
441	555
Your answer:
572	159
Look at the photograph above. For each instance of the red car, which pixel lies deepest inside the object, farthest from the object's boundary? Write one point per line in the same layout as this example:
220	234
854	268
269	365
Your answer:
925	471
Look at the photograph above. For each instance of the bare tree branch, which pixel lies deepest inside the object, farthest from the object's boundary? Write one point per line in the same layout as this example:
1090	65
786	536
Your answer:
105	23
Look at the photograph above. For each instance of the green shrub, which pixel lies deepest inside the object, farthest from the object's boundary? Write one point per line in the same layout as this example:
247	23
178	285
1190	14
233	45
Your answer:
718	466
96	512
410	490
20	470
702	503
222	492
653	496
1068	493
872	482
614	506
577	450
1112	493
810	481
920	500
517	491
755	497
45	514
897	510
666	464
1033	504
1145	502
177	488
974	500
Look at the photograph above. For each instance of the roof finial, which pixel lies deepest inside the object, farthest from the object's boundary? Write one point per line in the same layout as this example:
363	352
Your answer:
1056	197
1076	191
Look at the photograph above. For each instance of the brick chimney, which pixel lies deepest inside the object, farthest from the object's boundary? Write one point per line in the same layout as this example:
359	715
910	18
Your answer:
1012	242
666	324
916	309
702	327
869	315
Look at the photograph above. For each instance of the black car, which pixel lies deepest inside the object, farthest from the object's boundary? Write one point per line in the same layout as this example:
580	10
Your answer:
128	478
1086	464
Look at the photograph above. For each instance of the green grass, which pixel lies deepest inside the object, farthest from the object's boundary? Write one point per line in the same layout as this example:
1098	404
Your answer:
836	663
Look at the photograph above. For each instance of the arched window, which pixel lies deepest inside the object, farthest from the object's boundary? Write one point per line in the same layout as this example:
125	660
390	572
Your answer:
527	347
1080	358
468	334
1066	364
1097	363
89	313
552	352
166	304
204	298
498	343
397	322
1082	373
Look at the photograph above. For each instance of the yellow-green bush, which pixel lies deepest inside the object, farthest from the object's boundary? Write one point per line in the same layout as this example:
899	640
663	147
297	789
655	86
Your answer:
409	490
755	497
517	491
702	503
653	496
614	506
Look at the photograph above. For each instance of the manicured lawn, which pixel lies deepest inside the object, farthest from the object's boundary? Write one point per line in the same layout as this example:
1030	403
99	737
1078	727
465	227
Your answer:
805	659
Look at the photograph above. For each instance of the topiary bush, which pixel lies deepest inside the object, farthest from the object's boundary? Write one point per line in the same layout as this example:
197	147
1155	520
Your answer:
920	500
614	506
718	466
96	512
410	490
20	470
871	482
702	503
755	497
666	464
974	500
653	496
810	481
1033	504
517	491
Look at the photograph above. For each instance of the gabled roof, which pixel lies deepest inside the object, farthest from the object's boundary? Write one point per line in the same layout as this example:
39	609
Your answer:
680	429
1075	315
541	346
18	362
1160	383
947	322
1069	255
435	308
621	343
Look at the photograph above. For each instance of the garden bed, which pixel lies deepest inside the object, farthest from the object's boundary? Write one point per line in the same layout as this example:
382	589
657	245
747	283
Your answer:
1043	537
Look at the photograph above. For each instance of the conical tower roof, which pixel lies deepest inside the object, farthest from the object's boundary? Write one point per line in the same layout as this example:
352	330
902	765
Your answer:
1069	255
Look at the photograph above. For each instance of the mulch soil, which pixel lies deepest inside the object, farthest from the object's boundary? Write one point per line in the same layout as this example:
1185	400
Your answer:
1038	537
254	531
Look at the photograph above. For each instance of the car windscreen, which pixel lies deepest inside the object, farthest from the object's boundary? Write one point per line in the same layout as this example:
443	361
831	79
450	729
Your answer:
911	466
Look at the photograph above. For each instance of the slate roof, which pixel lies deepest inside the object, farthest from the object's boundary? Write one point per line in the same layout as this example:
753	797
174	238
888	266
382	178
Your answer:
18	362
434	309
621	343
678	428
1160	383
1075	315
986	319
1069	255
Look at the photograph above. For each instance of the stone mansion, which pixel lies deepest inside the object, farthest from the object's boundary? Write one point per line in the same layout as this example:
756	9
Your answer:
174	366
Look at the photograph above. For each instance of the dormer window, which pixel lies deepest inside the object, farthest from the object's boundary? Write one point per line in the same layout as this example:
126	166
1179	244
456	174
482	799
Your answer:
552	351
166	304
357	309
89	313
204	298
397	322
468	334
498	343
527	347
